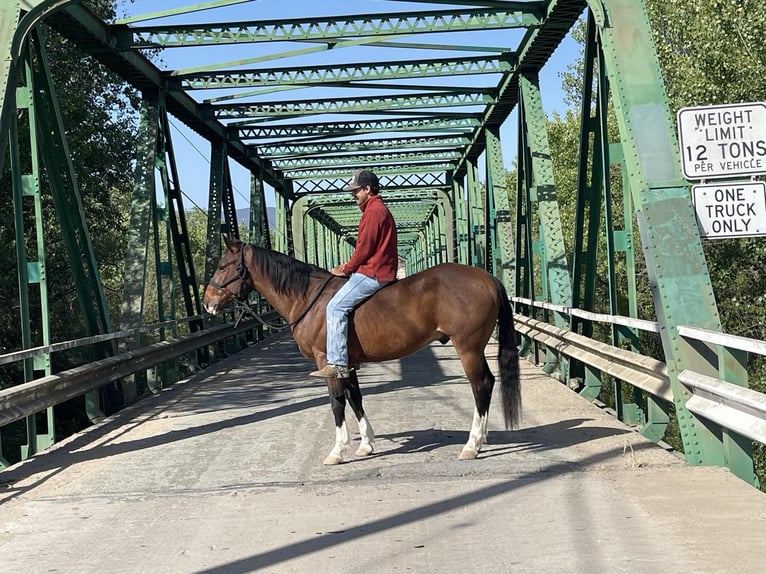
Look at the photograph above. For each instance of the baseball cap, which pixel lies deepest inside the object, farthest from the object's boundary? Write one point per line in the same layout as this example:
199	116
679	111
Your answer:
362	178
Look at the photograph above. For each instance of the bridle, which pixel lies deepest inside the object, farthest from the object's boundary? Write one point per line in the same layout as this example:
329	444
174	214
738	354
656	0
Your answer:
241	275
240	298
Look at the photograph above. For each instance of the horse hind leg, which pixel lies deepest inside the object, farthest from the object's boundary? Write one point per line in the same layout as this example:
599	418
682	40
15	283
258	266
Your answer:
338	406
482	382
367	434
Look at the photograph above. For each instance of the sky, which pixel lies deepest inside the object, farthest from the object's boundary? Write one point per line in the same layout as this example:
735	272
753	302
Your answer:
192	152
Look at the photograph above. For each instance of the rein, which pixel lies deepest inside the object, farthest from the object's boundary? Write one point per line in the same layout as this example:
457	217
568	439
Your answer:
244	307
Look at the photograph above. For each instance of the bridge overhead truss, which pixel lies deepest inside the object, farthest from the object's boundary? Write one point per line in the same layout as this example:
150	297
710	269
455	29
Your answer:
419	96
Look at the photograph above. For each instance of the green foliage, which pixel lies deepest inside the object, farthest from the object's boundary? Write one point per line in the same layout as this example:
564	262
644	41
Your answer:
710	51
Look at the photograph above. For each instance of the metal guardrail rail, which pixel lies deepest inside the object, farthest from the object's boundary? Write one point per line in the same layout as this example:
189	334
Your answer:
34	396
646	373
734	407
731	406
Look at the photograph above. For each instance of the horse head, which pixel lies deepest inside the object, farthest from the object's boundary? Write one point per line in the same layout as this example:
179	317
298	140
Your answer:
230	280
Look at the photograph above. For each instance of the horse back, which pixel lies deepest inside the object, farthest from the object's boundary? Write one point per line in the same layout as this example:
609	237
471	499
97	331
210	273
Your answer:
452	300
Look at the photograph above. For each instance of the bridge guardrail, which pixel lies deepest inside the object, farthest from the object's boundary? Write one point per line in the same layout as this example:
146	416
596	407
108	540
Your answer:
732	406
34	396
736	408
646	373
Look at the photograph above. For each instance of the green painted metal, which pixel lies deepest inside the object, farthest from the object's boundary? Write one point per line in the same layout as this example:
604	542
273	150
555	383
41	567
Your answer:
288	144
401	169
176	11
339	75
9	19
461	223
17	19
533	51
593	195
675	262
500	221
542	261
66	196
539	170
335	129
328	149
507	15
65	192
214	207
390	179
177	229
258	221
738	450
281	233
303	230
424	158
589	201
26	190
653	418
524	281
288	109
477	232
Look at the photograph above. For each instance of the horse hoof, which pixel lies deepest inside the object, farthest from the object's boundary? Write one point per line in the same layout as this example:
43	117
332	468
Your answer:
333	459
364	450
468	454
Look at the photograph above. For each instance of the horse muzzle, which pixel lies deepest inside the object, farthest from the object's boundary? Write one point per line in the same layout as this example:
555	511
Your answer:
212	301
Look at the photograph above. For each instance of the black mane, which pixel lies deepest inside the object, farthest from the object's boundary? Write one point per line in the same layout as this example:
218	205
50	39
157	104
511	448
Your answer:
289	276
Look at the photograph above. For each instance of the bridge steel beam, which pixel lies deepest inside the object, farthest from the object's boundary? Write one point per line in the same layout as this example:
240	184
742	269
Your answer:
678	274
538	171
258	224
460	222
543	239
499	217
477	230
330	29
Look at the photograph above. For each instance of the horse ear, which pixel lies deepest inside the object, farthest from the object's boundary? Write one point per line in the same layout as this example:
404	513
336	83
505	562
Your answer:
231	243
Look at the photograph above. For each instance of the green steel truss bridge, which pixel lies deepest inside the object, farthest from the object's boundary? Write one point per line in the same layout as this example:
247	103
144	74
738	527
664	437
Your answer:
418	96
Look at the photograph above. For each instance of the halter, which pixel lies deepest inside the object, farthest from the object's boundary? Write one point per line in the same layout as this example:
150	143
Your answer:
241	275
244	307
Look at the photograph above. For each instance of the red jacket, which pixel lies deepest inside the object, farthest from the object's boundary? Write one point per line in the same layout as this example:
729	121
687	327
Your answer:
375	254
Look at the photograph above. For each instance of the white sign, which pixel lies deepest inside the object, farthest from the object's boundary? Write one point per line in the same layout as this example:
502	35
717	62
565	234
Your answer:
723	141
731	209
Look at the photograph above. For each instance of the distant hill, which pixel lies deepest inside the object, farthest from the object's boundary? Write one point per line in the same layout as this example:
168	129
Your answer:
243	216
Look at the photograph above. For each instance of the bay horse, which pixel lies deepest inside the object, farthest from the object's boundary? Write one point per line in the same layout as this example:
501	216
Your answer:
446	302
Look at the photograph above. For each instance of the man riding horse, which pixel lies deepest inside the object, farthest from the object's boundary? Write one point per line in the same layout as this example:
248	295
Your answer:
372	266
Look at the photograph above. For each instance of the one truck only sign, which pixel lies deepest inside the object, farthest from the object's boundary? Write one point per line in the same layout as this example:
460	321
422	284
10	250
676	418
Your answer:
730	209
722	141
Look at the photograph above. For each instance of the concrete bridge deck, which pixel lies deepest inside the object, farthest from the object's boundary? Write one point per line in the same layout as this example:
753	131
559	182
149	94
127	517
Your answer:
223	474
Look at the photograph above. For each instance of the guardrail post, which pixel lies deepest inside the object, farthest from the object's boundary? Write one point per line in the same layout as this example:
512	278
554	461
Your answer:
738	450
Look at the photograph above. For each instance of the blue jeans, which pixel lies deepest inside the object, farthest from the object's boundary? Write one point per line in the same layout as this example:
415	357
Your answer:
358	288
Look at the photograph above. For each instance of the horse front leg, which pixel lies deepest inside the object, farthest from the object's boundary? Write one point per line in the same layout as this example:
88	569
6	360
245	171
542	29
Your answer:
338	406
367	435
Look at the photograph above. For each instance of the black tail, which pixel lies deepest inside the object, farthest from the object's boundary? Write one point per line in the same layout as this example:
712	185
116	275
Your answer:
508	360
